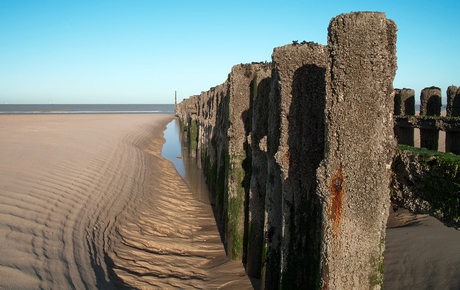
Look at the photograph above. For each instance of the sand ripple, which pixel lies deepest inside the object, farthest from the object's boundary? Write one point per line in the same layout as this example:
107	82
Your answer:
169	239
87	202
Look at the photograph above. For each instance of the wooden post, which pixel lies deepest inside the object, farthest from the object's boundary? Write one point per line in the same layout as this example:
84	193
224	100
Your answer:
430	105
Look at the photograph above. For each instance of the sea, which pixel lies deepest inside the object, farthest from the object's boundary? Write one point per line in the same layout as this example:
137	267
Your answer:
174	148
87	109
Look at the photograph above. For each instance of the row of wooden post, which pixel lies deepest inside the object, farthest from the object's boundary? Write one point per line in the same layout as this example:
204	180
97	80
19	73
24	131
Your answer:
430	106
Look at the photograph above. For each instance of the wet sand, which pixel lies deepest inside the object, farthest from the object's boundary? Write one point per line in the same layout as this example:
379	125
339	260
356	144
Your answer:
86	201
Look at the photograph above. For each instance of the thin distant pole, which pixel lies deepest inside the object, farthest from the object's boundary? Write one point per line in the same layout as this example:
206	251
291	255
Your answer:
176	98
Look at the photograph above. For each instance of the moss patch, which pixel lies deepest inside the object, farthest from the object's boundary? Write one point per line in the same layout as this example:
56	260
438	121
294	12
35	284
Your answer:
264	257
235	212
377	263
449	158
441	182
193	135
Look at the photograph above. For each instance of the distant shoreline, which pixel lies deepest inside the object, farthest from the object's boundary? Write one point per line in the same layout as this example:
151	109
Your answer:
20	109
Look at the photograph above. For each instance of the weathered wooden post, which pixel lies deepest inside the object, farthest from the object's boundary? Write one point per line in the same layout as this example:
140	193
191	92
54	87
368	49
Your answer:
192	133
453	102
239	157
404	106
453	110
260	87
430	105
296	151
353	179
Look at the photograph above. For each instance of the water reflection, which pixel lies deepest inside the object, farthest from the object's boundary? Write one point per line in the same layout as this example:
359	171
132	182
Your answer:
185	166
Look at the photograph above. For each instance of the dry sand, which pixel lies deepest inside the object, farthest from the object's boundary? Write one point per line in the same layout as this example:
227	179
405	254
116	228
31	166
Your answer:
86	201
420	253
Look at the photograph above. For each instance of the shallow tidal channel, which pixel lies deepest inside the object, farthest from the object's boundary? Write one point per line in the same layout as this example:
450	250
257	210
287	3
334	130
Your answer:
185	166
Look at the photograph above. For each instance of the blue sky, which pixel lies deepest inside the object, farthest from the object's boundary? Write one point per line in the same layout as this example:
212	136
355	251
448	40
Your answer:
142	51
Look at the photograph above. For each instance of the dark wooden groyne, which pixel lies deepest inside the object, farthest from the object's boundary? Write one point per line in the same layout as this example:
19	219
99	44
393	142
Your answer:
429	121
298	156
424	180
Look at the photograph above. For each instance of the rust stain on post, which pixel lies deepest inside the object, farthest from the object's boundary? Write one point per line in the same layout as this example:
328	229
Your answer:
335	207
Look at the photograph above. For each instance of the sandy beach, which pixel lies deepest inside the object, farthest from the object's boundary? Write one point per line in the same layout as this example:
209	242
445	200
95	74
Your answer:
87	202
420	253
